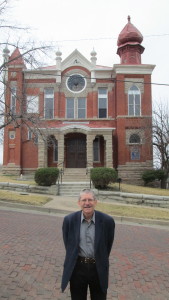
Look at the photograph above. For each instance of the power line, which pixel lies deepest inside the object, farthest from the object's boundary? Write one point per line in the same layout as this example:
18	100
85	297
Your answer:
94	78
108	79
108	38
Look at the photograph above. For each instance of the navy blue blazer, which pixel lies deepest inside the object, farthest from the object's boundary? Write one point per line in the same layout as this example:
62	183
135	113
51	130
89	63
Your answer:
104	236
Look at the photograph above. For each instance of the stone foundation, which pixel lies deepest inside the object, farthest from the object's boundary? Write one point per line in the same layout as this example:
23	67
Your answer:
131	172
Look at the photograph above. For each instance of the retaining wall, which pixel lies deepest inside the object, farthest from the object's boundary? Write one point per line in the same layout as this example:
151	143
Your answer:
103	196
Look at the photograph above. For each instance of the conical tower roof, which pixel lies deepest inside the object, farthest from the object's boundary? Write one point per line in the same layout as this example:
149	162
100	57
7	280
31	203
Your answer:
129	35
16	58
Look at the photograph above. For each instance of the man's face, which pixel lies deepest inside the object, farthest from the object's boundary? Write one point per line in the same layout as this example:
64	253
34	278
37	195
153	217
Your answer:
87	204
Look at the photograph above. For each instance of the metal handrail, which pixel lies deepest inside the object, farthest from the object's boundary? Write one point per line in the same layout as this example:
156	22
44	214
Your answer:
61	173
89	166
63	166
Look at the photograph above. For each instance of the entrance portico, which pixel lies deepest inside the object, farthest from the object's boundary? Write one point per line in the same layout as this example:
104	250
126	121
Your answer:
79	146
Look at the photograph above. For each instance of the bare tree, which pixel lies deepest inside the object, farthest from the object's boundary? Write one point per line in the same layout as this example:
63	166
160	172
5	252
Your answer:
32	53
160	130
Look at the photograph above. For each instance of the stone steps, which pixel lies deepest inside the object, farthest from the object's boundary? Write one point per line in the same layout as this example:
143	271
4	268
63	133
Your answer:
75	175
72	188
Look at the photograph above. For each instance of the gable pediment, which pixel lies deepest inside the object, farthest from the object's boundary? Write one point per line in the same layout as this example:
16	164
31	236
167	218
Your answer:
76	59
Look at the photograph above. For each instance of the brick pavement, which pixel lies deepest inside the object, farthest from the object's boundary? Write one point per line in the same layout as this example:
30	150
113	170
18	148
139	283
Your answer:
32	253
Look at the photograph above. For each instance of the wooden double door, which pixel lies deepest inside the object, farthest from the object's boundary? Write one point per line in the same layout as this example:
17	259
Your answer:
76	152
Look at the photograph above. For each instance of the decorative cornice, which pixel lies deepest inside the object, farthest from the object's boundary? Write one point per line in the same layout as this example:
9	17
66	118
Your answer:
133	69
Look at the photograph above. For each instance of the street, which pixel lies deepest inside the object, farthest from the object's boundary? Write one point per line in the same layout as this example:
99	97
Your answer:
32	255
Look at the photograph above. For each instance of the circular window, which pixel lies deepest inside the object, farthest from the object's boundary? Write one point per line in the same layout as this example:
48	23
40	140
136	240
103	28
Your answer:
76	83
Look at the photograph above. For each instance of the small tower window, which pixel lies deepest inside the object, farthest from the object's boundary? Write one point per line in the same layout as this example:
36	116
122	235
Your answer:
13	100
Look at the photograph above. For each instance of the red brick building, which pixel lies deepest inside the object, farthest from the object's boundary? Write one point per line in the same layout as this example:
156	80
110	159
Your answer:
90	115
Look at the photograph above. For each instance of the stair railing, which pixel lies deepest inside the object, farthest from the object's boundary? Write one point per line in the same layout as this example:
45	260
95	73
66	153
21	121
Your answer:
89	166
61	173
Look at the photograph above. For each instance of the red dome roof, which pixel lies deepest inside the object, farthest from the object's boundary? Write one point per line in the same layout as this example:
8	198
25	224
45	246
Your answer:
130	34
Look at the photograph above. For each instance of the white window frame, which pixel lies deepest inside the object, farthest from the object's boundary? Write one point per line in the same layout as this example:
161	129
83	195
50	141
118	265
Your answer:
48	96
134	93
78	109
13	100
29	134
102	96
75	107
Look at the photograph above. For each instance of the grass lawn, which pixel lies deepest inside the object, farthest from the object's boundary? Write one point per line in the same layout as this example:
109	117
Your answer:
15	179
128	188
24	198
134	211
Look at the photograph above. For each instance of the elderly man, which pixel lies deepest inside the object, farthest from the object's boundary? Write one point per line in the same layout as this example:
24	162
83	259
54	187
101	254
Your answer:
88	237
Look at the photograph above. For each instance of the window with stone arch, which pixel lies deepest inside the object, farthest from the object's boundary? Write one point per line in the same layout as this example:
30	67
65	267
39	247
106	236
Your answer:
134	101
134	139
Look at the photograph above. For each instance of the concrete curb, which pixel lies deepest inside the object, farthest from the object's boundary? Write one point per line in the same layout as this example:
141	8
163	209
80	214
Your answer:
33	208
121	219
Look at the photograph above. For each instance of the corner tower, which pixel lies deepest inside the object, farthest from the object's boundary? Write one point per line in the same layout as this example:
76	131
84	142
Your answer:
133	107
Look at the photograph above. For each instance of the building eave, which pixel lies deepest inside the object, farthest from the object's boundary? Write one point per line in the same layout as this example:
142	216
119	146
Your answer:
133	69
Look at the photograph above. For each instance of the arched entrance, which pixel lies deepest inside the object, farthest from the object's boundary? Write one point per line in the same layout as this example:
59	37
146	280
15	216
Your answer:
75	150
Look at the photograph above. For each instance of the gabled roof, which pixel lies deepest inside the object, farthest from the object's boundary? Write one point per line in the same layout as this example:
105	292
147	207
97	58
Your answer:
76	59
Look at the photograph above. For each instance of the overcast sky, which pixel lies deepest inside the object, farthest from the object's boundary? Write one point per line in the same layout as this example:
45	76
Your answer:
89	24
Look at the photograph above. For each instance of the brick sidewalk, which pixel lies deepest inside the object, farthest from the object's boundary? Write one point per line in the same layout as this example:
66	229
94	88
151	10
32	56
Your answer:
32	253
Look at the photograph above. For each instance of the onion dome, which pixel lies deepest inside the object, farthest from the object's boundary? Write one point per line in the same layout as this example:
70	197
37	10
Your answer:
93	53
93	58
6	51
58	52
6	54
129	35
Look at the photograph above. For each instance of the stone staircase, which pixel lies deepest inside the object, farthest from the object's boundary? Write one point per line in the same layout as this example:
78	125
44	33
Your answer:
75	175
73	181
72	188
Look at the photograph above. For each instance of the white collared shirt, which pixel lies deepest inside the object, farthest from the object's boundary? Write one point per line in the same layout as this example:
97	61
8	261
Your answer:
87	237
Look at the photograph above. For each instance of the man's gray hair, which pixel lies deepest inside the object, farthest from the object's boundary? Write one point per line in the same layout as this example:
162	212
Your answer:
87	191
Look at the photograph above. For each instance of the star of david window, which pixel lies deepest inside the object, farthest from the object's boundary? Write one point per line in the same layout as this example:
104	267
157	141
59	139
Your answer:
76	83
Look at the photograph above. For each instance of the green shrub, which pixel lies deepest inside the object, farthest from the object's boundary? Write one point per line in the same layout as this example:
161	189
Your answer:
46	176
148	176
151	175
102	177
160	174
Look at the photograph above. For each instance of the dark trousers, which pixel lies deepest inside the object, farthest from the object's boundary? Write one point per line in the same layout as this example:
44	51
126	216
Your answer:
84	276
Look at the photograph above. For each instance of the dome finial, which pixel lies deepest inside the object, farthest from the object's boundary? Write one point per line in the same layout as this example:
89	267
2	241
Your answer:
128	19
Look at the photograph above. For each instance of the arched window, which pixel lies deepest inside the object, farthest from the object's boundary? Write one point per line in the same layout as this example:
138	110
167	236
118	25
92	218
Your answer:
55	150
134	101
96	149
134	139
